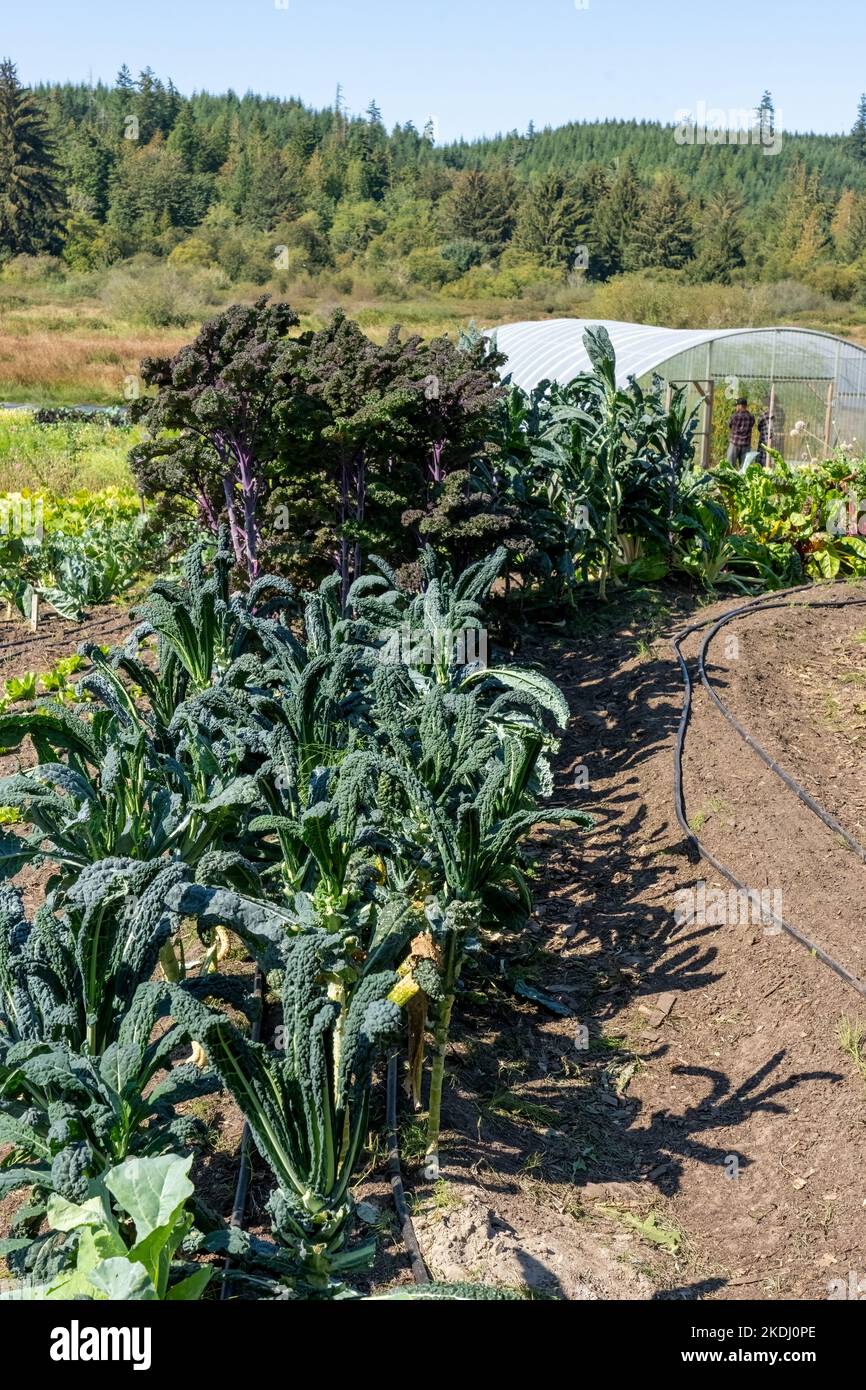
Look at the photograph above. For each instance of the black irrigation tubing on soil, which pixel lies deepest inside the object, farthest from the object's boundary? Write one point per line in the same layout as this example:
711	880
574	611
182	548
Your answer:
796	788
407	1229
754	605
239	1207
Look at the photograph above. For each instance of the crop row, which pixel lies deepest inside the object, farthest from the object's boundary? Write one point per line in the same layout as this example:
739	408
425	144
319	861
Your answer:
352	807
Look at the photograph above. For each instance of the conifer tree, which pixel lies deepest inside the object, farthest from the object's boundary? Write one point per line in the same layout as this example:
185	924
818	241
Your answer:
551	222
720	240
478	208
765	116
857	139
798	222
848	227
664	236
29	194
616	220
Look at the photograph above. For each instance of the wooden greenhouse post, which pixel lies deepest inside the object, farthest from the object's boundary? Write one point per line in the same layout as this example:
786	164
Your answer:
709	400
828	417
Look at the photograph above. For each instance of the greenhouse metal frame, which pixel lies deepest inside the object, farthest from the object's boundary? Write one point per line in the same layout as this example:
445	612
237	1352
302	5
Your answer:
813	383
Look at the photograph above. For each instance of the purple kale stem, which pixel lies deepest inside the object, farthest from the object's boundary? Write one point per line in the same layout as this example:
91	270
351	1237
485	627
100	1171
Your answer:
344	543
207	511
222	451
249	495
437	471
233	525
360	500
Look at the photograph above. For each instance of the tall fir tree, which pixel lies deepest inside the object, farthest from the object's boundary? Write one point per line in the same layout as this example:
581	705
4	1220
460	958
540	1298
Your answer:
30	196
811	247
664	236
857	138
720	239
797	225
617	218
88	164
848	227
479	209
765	115
188	139
148	105
551	222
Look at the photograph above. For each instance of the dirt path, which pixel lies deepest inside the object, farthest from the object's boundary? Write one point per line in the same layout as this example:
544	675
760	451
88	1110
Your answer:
692	1128
710	1141
753	1061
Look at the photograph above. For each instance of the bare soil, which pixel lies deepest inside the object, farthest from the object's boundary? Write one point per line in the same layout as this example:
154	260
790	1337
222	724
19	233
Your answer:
22	650
710	1142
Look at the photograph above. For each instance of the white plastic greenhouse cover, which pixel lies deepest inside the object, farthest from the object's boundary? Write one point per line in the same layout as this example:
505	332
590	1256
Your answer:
553	349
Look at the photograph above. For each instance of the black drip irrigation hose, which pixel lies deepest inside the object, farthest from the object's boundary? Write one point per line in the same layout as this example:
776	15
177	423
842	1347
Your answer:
799	791
755	605
239	1206
407	1229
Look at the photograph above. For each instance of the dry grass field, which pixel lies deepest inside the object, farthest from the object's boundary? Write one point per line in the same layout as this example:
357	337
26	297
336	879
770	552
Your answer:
64	341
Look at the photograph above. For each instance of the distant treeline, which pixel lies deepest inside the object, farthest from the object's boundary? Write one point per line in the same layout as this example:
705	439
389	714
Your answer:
254	184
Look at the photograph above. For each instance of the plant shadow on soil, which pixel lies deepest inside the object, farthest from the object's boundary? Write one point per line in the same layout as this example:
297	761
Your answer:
524	1108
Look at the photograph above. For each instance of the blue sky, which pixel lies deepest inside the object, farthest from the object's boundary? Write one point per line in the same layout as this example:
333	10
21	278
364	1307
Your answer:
476	66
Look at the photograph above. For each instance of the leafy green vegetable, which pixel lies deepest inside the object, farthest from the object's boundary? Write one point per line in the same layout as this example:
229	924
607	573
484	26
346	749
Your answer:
152	1193
21	687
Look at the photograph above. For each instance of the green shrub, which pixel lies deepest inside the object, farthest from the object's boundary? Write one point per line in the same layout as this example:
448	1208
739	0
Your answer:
428	267
33	269
160	295
194	251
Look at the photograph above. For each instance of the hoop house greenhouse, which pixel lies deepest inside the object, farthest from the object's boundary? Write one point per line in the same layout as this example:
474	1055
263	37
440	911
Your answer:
813	383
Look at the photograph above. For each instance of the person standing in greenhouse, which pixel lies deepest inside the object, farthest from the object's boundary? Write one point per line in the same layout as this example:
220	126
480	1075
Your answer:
741	426
771	429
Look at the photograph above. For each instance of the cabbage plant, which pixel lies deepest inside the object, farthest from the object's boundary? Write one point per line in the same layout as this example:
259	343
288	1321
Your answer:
151	1194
